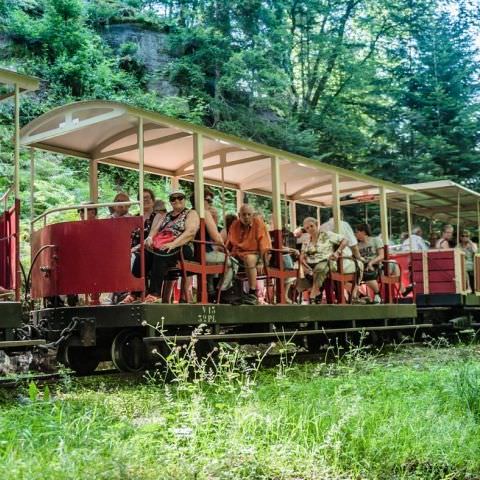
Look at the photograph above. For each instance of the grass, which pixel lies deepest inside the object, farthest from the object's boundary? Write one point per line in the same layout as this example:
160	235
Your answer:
412	414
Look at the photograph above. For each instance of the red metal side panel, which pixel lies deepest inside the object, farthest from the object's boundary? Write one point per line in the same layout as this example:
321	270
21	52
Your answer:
442	287
14	225
417	272
3	250
9	248
441	271
90	256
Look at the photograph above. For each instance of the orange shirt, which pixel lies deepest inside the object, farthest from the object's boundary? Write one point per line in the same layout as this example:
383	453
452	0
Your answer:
244	239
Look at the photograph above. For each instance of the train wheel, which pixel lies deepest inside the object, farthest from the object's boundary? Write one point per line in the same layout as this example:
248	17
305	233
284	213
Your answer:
315	342
128	351
82	360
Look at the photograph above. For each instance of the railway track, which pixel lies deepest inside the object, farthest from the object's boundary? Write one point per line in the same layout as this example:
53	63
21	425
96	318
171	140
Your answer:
19	380
271	360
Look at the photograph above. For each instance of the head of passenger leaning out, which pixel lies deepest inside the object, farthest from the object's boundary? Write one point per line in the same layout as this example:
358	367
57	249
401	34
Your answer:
120	210
446	237
248	240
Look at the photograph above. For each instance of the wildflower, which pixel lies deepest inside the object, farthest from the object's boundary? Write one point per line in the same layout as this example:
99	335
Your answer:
184	432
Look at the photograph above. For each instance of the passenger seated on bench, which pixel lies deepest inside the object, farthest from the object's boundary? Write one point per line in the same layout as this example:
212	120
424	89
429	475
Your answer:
469	249
213	256
182	225
91	212
372	254
318	256
415	241
248	240
120	210
351	250
445	240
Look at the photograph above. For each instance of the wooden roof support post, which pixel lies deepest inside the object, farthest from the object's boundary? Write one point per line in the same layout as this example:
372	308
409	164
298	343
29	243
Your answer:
458	217
293	215
277	226
337	217
285	198
409	222
198	170
93	180
276	195
175	185
319	217
32	188
223	162
200	208
141	162
240	199
141	168
16	146
384	215
390	229
478	219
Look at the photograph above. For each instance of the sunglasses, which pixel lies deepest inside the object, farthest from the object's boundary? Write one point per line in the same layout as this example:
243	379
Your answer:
177	197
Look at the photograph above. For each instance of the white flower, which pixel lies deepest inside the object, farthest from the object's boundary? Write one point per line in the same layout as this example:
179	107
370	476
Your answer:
184	432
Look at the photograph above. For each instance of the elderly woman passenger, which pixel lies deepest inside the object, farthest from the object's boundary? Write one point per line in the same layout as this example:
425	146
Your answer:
178	228
320	253
447	236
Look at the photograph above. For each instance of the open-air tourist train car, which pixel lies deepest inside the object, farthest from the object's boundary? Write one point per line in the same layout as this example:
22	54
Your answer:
93	256
442	287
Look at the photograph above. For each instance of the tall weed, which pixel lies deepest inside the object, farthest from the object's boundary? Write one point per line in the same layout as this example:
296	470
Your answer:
468	387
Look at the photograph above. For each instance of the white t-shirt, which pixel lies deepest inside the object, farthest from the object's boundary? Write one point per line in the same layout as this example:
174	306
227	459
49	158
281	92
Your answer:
345	230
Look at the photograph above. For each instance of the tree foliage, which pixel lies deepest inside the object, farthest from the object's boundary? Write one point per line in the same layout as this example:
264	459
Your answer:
388	87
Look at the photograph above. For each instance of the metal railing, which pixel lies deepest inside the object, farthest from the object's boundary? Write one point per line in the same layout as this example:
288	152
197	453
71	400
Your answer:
84	206
4	198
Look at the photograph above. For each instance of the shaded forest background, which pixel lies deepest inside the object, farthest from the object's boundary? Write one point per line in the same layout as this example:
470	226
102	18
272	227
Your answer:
385	87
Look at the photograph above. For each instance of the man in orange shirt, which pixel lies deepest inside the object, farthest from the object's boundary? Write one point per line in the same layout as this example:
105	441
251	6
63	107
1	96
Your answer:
248	240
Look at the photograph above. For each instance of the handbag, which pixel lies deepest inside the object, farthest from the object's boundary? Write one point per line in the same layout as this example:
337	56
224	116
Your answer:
162	238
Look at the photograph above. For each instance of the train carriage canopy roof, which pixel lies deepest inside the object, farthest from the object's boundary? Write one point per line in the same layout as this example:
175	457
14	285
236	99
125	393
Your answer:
439	200
9	78
107	132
